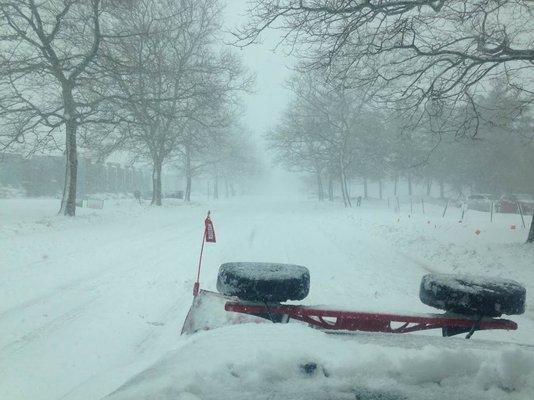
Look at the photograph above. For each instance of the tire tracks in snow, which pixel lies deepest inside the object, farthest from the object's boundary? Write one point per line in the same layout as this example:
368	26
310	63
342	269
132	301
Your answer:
92	277
93	282
45	329
382	261
30	265
423	264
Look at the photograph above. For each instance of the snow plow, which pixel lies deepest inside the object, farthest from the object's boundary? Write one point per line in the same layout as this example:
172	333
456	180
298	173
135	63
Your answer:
255	292
250	292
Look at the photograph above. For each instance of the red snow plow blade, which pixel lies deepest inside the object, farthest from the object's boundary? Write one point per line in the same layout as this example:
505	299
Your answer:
212	310
332	319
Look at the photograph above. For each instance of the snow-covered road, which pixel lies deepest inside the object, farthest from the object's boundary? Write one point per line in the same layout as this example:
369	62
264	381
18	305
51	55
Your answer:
87	303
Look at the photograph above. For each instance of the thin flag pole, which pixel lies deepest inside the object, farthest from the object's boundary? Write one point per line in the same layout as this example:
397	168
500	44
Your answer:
207	235
196	287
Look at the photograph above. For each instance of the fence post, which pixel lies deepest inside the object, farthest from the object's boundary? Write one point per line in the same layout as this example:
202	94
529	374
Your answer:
521	212
445	209
463	210
491	211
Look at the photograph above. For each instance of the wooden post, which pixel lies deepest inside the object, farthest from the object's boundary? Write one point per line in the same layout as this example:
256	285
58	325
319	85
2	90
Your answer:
491	211
530	238
521	213
445	209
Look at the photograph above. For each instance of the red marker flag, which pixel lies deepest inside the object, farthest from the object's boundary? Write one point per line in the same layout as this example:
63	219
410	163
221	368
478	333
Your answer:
209	232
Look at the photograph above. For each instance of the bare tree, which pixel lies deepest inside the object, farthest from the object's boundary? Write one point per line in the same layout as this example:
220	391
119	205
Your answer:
329	129
206	140
330	103
298	144
48	48
164	72
418	51
225	154
429	57
240	162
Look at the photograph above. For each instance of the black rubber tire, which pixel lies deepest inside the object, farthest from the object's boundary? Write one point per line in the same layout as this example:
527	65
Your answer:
473	295
264	282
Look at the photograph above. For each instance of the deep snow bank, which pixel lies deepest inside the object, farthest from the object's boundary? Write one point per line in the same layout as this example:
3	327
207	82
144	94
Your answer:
295	362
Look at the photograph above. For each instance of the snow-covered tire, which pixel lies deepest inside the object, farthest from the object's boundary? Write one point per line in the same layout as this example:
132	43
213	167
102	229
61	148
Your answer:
263	282
473	295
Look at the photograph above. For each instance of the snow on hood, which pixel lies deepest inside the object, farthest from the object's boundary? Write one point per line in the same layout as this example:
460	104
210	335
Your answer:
295	362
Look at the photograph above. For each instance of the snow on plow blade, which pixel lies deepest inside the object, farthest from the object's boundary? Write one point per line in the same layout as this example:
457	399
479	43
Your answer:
207	312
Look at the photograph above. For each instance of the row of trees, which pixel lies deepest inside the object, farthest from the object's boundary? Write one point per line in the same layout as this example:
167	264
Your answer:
337	135
428	63
144	76
330	132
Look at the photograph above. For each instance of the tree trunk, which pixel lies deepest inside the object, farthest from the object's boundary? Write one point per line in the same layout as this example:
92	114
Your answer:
187	196
410	184
320	188
428	187
441	189
188	174
156	182
226	188
216	188
530	238
330	189
68	201
343	194
343	181
349	203
380	189
396	180
365	189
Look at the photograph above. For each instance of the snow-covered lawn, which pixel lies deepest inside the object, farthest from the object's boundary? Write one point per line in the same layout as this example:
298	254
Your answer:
87	303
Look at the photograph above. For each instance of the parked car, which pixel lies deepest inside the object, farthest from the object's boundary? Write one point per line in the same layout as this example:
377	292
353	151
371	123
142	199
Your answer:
508	203
480	202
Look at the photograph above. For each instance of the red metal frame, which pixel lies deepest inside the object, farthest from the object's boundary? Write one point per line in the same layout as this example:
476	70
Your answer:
371	322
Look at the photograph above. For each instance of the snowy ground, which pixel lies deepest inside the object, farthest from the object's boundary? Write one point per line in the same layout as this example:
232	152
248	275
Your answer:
266	362
87	303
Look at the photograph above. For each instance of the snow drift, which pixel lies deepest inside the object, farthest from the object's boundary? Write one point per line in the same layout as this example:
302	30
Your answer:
295	362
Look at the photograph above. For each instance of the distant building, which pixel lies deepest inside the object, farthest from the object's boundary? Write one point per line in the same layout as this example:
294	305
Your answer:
44	176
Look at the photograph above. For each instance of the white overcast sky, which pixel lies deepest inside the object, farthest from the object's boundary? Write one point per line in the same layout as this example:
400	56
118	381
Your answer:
264	107
270	98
